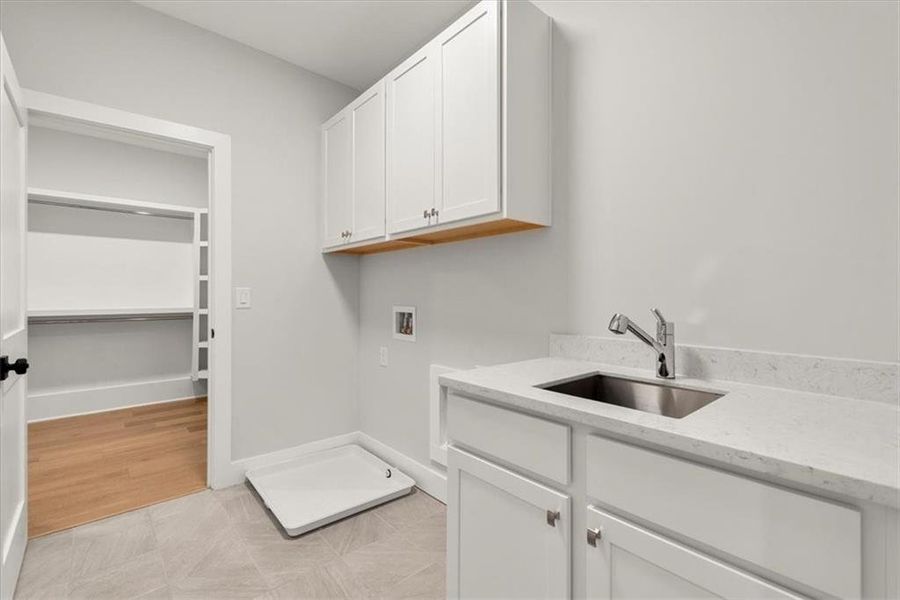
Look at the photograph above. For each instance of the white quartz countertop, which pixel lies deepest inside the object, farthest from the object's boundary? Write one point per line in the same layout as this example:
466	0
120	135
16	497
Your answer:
843	446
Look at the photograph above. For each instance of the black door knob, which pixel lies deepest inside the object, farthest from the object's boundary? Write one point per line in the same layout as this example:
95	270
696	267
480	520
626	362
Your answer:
19	367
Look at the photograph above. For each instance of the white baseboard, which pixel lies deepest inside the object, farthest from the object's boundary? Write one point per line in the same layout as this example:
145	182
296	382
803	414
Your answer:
432	482
273	458
44	406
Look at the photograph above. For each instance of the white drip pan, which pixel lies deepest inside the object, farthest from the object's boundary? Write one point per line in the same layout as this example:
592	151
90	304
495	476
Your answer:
316	489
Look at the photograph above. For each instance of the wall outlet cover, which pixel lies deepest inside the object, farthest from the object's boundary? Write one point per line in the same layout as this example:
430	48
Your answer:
242	297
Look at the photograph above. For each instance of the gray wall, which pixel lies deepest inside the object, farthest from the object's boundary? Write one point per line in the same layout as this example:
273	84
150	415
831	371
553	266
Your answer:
295	350
734	163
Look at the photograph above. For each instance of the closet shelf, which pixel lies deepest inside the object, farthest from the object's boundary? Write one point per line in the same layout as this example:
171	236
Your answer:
91	201
81	315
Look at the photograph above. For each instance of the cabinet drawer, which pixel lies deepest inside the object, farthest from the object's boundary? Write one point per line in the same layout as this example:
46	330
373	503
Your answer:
812	541
537	445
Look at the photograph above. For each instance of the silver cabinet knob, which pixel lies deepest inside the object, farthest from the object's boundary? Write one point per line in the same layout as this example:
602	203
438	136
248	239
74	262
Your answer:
552	517
425	214
593	535
434	212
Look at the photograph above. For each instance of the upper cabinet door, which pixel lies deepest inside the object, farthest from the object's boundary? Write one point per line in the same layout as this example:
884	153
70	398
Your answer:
368	116
468	105
628	562
337	179
411	142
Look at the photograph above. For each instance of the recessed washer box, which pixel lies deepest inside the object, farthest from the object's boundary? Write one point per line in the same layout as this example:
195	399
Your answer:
313	490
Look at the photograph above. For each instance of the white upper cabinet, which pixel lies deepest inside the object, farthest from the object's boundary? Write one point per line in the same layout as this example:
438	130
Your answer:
468	115
354	171
467	136
412	181
337	151
368	165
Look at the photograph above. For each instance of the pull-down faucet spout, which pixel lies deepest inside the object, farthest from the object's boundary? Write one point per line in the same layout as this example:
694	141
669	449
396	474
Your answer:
663	345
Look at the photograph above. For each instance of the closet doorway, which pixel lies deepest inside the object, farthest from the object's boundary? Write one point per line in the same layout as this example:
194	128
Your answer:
128	312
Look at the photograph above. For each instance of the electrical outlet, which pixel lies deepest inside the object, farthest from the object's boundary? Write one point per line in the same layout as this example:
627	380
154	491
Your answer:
242	297
383	356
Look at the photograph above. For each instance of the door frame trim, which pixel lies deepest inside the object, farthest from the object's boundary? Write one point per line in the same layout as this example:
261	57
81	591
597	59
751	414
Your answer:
119	125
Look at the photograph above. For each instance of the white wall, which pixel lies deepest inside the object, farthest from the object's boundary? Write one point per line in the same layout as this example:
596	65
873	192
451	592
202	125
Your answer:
734	163
295	350
87	259
80	163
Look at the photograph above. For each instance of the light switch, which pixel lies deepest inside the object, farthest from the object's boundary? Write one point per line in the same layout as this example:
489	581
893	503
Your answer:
383	356
242	297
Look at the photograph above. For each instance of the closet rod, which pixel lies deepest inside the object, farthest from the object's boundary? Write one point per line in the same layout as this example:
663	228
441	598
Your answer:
127	211
105	319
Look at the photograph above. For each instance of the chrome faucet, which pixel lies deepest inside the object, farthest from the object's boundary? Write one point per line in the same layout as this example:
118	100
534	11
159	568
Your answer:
663	345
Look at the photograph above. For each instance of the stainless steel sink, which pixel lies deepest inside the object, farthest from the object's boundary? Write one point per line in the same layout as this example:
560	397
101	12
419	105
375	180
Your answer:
666	400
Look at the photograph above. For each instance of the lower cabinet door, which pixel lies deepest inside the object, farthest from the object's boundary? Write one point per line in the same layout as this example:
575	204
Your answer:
507	536
627	561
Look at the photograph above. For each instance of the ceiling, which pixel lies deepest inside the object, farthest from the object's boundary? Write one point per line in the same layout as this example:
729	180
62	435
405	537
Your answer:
354	42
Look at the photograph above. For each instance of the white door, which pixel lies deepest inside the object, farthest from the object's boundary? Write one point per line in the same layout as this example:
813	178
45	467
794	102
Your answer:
412	178
337	179
13	327
507	536
625	561
368	116
468	105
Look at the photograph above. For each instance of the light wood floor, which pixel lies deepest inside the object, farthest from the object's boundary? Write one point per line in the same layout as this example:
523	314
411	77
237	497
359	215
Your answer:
85	468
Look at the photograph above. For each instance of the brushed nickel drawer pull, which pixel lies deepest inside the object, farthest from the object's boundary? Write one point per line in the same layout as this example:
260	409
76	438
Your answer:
593	535
552	517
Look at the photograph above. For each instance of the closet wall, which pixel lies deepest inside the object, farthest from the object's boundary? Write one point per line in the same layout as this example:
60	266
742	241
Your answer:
91	259
294	352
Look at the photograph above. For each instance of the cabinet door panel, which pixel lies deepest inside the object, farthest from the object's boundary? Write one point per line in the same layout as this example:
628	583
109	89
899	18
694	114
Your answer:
368	165
468	102
500	544
337	164
631	562
411	142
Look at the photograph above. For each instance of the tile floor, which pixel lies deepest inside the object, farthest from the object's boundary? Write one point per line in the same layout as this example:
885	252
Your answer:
224	544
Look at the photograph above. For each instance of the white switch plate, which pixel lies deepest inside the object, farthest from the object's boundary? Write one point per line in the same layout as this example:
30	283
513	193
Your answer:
242	297
383	356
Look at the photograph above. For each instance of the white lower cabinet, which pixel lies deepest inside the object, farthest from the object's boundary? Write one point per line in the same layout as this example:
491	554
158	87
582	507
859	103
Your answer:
692	530
508	536
625	561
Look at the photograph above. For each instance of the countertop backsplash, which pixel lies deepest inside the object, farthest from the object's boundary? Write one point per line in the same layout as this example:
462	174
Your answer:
876	381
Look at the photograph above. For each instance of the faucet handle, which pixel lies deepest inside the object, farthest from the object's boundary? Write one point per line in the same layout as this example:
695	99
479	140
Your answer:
659	316
663	327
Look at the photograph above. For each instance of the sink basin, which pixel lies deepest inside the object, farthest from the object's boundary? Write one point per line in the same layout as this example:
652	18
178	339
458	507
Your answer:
665	400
